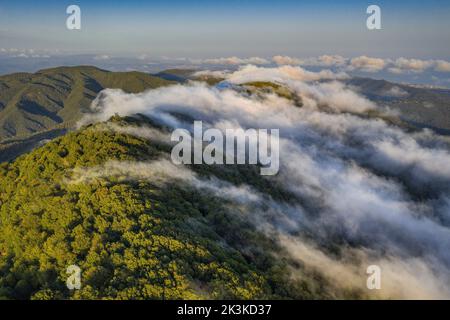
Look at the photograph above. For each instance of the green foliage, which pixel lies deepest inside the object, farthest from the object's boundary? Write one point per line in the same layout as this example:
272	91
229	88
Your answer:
132	239
55	98
266	87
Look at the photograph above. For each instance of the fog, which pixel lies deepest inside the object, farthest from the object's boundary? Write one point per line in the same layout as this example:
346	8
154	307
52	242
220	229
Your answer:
358	181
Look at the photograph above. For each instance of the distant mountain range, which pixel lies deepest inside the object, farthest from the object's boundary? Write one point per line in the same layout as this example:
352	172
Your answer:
421	107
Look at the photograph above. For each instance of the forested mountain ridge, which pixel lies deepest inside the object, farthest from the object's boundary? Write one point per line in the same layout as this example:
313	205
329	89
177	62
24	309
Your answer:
132	238
32	103
420	106
38	106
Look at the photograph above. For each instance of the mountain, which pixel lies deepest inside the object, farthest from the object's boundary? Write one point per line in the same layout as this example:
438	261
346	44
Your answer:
13	147
55	98
356	188
178	75
420	106
134	235
38	106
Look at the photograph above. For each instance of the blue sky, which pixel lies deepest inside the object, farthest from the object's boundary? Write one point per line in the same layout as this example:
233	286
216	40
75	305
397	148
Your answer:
206	28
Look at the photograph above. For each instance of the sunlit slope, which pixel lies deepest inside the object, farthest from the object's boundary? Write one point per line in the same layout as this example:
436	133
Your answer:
50	98
133	236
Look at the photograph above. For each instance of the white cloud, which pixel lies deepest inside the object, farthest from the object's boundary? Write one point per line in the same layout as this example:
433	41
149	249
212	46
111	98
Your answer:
26	53
143	57
367	64
410	65
236	61
326	61
221	74
321	61
283	74
395	92
395	70
354	178
442	66
22	55
102	57
285	60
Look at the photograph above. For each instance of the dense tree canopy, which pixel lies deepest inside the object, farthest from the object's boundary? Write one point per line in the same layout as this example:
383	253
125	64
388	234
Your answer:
132	239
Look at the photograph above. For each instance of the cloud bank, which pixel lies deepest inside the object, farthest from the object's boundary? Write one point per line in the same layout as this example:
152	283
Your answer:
363	191
367	64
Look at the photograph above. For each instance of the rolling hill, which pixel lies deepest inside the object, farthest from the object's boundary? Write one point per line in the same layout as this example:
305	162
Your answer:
38	106
55	98
420	106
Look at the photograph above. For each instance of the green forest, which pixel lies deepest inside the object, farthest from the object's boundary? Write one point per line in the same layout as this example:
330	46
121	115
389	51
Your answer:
132	239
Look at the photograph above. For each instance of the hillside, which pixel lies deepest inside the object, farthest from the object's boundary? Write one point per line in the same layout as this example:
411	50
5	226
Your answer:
422	107
44	105
132	237
51	98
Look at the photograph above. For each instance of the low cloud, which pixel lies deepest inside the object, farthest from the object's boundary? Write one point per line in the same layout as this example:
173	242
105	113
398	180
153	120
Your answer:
362	191
395	92
409	279
321	61
411	65
282	74
326	61
27	53
220	74
162	172
367	64
102	57
285	60
236	61
442	66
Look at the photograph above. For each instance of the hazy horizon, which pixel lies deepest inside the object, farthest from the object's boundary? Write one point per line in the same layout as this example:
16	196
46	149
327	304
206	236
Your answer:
204	29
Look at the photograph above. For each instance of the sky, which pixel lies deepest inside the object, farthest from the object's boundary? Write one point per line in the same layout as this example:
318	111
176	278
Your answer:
413	43
205	28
